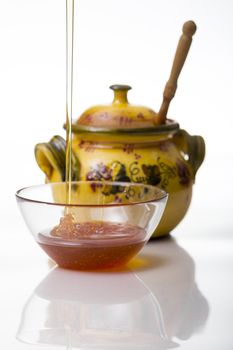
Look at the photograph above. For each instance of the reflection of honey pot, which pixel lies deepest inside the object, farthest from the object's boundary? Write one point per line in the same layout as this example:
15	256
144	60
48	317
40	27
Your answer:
122	142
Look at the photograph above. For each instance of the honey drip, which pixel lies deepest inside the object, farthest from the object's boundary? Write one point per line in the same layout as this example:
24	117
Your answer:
70	16
69	93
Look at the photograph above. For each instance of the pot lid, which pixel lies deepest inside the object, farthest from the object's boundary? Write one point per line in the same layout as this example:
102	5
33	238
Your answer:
120	114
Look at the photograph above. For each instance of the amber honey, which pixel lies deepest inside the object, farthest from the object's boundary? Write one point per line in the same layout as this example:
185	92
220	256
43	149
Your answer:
92	245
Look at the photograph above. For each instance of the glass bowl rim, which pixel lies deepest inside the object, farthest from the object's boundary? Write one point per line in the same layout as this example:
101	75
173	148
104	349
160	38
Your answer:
160	194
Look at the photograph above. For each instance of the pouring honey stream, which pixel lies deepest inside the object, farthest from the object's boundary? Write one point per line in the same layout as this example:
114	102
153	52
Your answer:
69	94
70	21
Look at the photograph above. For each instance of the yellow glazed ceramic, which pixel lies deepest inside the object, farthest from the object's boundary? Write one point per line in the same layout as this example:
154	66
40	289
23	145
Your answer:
122	142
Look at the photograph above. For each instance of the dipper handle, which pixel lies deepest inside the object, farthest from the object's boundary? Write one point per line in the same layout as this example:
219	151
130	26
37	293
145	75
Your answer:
189	28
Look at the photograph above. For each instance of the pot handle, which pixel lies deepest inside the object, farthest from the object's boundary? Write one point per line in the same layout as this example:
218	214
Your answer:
191	147
51	158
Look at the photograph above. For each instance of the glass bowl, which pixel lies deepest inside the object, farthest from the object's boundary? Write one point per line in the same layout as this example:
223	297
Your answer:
104	225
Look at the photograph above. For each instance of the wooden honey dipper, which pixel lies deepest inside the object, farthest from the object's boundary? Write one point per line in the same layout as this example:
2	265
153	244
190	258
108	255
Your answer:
189	28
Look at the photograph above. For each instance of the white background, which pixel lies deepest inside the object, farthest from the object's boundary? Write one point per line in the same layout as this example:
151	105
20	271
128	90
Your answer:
123	41
119	41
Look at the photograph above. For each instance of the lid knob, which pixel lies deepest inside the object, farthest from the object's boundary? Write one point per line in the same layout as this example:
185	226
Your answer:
120	93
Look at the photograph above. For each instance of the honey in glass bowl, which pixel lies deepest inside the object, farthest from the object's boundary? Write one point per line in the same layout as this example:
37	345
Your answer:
104	226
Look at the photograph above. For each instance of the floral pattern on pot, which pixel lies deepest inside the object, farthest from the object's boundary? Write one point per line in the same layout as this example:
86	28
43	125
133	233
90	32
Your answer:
183	172
160	174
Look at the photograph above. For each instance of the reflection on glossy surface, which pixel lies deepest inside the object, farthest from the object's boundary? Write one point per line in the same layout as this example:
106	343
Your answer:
146	307
113	309
185	310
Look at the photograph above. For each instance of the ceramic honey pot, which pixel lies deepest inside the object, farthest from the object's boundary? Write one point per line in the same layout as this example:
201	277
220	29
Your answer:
127	143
